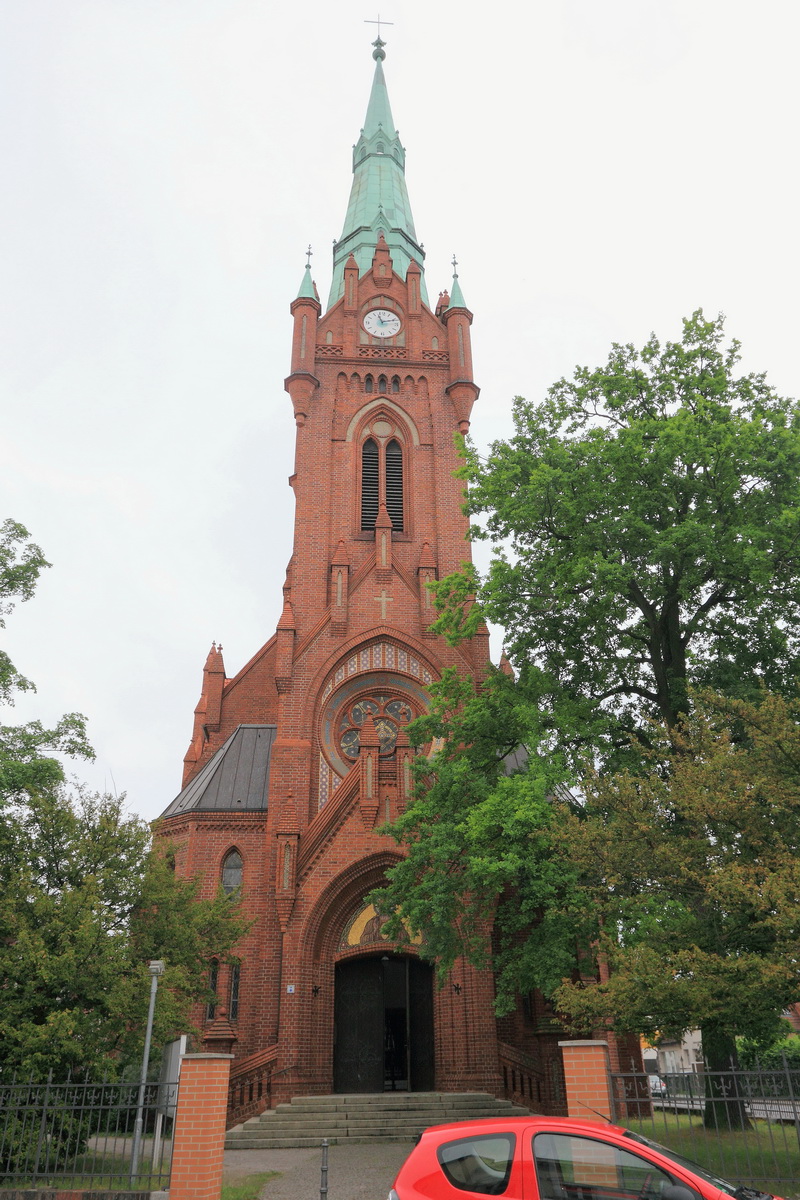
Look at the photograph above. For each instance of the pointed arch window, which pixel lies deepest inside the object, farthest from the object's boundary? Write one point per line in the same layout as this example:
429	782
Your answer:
369	384
232	872
395	383
233	1005
382	384
394	483
382	477
370	482
213	981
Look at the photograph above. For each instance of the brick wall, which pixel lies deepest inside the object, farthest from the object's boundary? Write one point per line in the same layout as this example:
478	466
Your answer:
586	1077
199	1138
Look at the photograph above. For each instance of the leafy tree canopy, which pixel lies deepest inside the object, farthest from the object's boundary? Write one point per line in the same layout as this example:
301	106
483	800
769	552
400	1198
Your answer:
26	751
693	873
664	900
647	524
480	842
87	902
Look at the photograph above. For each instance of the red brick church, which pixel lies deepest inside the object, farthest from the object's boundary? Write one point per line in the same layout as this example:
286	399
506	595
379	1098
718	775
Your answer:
298	759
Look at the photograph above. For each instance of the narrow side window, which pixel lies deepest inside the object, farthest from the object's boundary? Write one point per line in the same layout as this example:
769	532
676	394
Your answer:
213	980
231	872
233	1006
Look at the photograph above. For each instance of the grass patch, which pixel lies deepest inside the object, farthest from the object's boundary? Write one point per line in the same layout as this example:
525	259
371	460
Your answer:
109	1172
767	1156
249	1188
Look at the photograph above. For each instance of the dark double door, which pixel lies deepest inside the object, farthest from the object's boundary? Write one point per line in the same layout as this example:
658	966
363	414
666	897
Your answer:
383	1015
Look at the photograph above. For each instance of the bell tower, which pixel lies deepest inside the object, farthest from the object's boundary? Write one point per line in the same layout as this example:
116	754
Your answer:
379	386
298	760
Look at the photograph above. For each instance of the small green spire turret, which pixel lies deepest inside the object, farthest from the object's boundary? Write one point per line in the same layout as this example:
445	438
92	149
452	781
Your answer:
456	295
307	289
307	286
378	197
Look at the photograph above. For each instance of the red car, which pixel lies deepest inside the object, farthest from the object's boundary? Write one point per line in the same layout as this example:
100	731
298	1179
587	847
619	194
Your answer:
543	1158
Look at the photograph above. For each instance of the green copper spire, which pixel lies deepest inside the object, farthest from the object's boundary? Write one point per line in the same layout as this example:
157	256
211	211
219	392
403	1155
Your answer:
307	286
378	197
456	295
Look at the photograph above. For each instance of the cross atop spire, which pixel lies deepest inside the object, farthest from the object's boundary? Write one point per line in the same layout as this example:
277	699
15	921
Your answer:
378	43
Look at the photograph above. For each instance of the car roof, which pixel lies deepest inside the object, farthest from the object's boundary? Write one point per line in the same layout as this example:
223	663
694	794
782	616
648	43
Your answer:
534	1121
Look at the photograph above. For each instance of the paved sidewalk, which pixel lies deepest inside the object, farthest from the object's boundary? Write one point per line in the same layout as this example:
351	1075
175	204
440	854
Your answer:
357	1172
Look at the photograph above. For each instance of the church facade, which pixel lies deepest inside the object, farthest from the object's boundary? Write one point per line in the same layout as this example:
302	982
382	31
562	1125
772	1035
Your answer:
298	760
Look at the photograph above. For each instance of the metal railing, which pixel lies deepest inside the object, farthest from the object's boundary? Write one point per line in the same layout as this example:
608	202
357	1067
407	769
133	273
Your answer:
741	1124
79	1134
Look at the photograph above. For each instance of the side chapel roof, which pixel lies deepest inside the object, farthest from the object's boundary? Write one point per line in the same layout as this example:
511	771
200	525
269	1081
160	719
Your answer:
235	779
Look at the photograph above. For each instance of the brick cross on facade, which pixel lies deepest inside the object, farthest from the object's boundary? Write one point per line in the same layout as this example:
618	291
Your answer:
383	600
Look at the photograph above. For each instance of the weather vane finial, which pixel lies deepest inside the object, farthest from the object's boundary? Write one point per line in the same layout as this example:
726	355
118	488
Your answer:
378	52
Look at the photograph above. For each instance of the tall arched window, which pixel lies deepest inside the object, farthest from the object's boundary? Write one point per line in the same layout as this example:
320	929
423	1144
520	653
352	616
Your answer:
394	483
213	980
233	1005
370	480
381	476
231	872
382	383
368	384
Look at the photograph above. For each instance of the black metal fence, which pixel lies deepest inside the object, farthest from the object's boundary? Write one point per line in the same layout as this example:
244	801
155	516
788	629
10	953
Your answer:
742	1125
89	1136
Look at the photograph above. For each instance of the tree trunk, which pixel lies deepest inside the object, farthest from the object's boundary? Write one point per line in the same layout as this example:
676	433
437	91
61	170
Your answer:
724	1107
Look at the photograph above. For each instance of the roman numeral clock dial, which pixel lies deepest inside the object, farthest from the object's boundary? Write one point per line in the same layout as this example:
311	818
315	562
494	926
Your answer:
382	323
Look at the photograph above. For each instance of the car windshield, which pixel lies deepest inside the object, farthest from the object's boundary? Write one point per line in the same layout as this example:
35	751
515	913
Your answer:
730	1188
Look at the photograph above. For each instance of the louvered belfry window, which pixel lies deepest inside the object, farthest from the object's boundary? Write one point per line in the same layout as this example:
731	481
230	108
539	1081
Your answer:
381	476
394	484
369	484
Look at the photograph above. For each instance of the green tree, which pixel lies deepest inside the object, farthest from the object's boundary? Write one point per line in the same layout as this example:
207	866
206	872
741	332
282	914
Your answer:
26	751
86	899
87	902
480	876
664	900
692	871
646	519
646	523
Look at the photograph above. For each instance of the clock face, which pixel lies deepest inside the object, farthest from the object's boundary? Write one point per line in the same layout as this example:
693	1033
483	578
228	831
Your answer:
382	323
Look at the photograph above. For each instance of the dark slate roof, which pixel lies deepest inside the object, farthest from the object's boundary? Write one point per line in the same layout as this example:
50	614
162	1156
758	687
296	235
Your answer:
236	779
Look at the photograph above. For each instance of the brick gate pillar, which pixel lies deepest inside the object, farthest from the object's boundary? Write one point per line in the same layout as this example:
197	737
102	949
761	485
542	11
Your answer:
588	1080
199	1138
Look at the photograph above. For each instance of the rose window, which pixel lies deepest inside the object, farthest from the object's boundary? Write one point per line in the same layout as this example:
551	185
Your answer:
388	715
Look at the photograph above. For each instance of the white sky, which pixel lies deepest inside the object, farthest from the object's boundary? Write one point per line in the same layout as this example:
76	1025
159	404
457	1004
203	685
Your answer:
599	168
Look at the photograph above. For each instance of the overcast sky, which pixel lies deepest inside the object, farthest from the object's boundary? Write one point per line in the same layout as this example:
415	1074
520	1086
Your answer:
600	169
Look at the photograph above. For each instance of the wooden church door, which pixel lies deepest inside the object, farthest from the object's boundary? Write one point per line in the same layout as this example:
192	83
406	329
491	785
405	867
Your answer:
383	1017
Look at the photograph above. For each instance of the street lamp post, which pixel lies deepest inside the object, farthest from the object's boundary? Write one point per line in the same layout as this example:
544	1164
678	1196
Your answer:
156	968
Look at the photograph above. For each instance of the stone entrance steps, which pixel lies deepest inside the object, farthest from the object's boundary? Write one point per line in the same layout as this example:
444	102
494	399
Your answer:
383	1117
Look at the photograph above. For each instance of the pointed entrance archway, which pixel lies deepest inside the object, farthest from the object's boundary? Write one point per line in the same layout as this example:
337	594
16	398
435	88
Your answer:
383	1019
